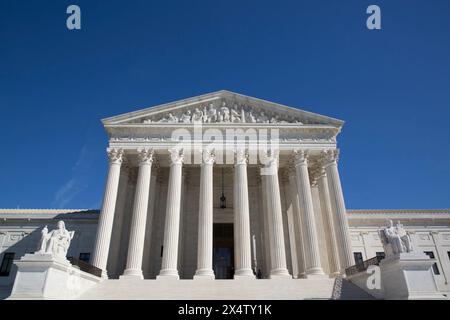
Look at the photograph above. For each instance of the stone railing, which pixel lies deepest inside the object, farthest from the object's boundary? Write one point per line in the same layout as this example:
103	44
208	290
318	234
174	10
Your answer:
361	267
86	267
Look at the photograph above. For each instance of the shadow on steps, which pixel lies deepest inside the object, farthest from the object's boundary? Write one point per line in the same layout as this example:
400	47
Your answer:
345	290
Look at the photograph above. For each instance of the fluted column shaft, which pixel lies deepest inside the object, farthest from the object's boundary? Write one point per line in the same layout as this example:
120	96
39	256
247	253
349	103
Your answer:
311	241
338	205
119	215
172	224
139	218
106	218
297	226
325	203
275	220
205	219
242	240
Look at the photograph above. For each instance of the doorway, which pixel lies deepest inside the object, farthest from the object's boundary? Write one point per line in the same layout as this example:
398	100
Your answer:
223	254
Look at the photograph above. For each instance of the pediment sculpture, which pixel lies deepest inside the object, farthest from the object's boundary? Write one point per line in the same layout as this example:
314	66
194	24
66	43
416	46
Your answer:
220	114
55	242
395	239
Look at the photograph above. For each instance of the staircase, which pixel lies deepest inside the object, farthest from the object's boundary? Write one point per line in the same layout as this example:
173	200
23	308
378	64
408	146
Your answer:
264	289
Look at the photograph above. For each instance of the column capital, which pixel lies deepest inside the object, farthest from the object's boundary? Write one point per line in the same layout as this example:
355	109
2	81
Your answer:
329	156
300	157
270	162
115	155
176	156
145	156
208	156
241	156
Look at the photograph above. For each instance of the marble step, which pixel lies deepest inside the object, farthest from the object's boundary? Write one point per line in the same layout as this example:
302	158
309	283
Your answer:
272	289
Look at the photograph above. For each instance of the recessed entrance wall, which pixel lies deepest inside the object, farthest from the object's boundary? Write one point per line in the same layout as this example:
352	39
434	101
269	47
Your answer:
223	254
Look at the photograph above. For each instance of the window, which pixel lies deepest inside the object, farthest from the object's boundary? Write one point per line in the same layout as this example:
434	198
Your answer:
448	253
358	257
7	261
435	266
380	255
85	256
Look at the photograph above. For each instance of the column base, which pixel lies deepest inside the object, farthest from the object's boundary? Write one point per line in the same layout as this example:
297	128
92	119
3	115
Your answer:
279	273
204	274
104	275
132	273
169	274
315	272
244	274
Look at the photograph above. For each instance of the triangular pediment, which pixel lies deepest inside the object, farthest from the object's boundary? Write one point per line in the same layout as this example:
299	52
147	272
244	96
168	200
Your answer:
221	107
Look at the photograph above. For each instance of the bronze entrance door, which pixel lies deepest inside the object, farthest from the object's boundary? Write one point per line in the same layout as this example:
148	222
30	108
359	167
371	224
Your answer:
223	254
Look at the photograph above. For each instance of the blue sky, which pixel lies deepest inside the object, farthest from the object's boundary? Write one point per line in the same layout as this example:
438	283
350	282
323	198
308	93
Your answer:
391	86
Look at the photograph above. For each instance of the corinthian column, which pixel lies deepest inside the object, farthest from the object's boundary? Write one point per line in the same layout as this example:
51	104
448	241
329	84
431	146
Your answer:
205	218
338	206
297	224
311	242
139	218
172	225
275	219
106	218
325	204
242	252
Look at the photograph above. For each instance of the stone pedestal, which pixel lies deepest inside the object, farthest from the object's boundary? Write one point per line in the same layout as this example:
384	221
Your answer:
42	276
408	276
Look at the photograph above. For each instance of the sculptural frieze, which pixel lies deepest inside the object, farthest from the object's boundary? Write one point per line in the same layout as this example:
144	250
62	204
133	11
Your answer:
223	112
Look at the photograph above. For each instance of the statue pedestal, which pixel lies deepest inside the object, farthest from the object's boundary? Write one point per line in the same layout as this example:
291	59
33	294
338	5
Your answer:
43	276
408	276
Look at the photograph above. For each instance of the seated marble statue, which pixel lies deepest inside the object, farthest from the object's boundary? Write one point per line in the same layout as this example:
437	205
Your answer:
55	242
395	240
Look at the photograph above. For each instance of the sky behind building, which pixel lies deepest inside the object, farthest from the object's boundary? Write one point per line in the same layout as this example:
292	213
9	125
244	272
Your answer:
391	86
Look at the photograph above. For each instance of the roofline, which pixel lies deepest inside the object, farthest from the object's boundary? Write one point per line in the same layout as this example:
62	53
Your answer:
398	211
44	211
215	94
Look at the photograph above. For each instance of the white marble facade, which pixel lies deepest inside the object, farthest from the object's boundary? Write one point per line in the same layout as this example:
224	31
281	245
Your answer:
162	214
169	166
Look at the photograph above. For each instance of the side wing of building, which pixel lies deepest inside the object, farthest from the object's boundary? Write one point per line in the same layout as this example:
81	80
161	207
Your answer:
20	231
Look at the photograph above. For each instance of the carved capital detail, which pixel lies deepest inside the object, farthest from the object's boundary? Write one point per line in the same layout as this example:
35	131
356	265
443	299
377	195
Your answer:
208	156
241	156
300	157
115	156
271	158
176	156
145	156
330	156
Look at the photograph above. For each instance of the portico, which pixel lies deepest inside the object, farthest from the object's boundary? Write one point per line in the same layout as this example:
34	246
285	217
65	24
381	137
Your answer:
178	170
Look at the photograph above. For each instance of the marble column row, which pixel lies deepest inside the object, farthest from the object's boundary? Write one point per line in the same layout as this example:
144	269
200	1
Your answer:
308	255
169	269
332	206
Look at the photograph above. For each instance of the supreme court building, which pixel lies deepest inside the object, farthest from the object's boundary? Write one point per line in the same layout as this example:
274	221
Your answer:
224	187
183	201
